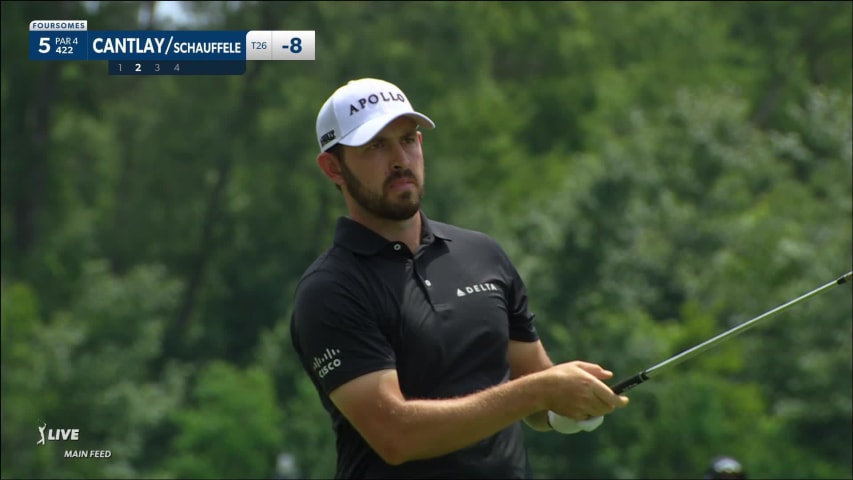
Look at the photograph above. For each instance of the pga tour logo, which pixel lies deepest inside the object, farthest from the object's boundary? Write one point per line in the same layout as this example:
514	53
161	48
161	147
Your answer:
54	434
68	434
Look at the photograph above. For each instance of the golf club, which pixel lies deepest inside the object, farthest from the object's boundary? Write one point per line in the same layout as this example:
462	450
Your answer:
648	373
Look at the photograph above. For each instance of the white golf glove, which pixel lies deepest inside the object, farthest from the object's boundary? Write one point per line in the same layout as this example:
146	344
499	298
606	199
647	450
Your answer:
568	426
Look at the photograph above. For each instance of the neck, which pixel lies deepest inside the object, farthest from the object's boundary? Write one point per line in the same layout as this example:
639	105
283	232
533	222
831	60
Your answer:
407	231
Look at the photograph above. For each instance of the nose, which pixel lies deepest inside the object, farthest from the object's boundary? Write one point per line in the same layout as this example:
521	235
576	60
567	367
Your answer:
399	159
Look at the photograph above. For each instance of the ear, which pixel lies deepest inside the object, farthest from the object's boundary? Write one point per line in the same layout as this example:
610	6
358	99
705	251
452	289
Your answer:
331	167
420	137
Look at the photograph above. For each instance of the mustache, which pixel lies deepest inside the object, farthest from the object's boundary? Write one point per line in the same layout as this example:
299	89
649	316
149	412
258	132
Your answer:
400	175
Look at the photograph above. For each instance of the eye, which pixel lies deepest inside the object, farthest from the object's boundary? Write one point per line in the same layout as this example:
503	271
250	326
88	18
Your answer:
409	139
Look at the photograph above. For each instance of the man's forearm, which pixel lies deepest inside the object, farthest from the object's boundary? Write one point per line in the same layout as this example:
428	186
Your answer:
526	358
431	428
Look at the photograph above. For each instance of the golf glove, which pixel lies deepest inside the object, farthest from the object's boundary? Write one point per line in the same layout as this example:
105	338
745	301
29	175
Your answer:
566	425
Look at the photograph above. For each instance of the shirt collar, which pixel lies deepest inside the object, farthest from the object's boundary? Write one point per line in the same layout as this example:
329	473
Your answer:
361	240
430	227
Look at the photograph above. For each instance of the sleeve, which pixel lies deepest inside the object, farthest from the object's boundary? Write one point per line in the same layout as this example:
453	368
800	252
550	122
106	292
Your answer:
336	333
521	319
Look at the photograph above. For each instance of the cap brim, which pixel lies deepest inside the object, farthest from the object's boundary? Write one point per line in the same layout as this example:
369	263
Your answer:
364	133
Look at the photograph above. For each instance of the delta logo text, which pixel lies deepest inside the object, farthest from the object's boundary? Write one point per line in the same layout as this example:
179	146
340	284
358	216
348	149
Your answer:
328	362
68	435
478	288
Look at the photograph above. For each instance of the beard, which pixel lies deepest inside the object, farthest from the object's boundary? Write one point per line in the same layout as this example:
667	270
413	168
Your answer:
386	205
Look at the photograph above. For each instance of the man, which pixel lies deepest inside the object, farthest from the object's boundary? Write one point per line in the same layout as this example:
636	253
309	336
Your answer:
416	333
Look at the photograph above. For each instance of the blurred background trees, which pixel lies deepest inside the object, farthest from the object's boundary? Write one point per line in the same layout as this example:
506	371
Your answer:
659	172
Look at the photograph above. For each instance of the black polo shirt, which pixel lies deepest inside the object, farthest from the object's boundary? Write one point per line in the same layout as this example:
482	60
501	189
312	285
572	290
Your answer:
442	318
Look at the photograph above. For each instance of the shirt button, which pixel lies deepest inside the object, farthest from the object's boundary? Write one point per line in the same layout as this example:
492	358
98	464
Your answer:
428	283
397	247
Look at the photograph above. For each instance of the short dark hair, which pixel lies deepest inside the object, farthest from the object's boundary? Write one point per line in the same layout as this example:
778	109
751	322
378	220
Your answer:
337	150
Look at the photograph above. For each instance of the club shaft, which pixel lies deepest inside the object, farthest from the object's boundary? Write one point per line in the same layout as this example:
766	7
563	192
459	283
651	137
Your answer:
641	377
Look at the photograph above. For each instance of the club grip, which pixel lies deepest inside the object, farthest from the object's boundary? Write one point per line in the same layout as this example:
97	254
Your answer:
629	383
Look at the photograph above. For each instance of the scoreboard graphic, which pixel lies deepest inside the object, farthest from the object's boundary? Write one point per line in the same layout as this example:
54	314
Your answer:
158	52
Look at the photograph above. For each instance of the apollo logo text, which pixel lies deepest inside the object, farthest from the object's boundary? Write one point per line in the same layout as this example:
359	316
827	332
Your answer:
375	98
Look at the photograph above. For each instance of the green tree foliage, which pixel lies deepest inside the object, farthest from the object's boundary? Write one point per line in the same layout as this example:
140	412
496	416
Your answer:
231	427
658	171
89	367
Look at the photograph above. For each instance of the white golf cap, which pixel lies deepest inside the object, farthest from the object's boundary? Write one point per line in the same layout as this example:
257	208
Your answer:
357	111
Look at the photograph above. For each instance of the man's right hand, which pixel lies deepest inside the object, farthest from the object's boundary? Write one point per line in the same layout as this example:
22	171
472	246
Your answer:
576	390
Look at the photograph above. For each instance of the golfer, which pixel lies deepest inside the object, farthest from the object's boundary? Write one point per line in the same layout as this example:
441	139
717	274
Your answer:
417	333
